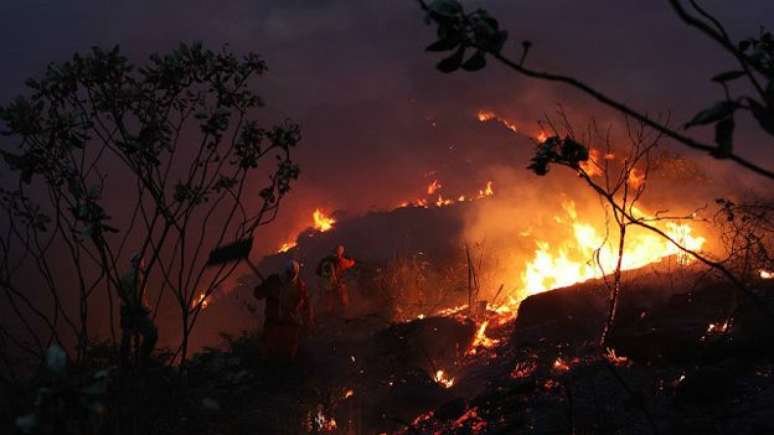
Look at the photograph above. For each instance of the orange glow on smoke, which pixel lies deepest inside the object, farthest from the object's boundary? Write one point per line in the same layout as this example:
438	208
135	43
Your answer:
322	222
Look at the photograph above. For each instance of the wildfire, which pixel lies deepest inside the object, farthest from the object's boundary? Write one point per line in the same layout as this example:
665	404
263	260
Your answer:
568	262
434	187
481	340
287	246
324	423
443	379
201	299
486	116
561	365
322	222
486	191
765	274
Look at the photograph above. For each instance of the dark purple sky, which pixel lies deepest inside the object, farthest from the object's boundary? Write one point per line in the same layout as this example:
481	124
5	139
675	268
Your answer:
375	112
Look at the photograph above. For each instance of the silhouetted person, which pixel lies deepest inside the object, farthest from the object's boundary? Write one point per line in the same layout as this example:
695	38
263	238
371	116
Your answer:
136	323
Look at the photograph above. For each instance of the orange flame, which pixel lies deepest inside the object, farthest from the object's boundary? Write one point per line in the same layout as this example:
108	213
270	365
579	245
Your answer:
287	246
765	274
481	340
322	222
433	187
486	115
568	264
201	299
442	379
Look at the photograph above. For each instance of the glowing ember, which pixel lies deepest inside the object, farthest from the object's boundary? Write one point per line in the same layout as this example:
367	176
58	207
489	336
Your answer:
524	369
433	187
324	423
561	365
322	222
616	360
348	393
568	263
443	379
470	417
766	274
717	328
287	246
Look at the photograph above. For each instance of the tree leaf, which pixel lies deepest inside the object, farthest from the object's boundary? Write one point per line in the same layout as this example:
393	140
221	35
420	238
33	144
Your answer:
715	113
476	62
763	114
445	7
452	63
445	44
728	76
724	137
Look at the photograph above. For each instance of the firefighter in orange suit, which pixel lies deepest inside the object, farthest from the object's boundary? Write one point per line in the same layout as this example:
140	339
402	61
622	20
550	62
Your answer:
288	313
333	288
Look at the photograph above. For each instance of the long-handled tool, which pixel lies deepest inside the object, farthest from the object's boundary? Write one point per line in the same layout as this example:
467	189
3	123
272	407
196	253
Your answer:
234	252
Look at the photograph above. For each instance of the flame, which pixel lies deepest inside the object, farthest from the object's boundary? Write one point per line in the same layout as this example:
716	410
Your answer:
590	166
322	222
324	423
616	360
442	379
434	187
569	262
765	274
201	299
486	116
287	246
541	137
348	393
561	365
486	191
481	340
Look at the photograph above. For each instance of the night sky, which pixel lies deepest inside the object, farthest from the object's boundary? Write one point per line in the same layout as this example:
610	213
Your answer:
355	75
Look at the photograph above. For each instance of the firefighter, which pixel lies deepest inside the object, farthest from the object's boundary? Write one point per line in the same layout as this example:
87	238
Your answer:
288	313
333	289
136	323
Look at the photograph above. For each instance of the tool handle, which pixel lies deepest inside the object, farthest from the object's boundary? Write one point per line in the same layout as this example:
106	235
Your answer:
255	269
